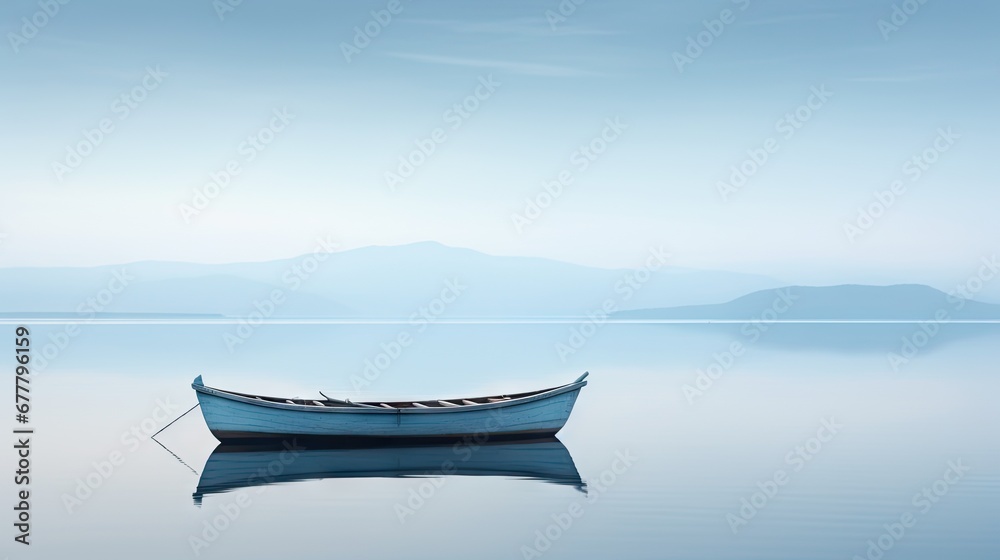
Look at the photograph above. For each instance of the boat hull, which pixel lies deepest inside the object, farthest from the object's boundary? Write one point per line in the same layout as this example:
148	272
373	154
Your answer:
240	418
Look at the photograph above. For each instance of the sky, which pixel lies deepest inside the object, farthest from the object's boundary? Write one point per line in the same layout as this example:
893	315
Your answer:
245	131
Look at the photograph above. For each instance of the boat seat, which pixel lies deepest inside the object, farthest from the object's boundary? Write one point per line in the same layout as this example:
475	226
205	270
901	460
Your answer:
317	403
383	405
467	401
446	403
491	399
418	405
289	402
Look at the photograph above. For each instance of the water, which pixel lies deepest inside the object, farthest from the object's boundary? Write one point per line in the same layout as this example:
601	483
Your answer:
665	470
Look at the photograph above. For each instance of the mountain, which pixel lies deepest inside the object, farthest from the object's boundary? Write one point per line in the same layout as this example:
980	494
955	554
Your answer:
851	302
369	282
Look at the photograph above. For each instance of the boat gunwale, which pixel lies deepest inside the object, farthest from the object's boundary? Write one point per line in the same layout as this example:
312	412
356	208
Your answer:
247	398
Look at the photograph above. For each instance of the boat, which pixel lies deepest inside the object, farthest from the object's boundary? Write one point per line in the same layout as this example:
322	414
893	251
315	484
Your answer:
242	417
234	467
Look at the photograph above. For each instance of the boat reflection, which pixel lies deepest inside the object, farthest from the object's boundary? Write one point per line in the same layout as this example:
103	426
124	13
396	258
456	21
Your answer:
232	467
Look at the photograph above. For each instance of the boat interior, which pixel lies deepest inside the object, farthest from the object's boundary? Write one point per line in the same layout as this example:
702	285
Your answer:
434	403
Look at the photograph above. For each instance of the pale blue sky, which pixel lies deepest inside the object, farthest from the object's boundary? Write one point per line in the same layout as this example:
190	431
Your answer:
656	184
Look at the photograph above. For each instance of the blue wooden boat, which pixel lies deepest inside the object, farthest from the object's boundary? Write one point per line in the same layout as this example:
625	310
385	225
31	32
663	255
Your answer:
234	467
234	417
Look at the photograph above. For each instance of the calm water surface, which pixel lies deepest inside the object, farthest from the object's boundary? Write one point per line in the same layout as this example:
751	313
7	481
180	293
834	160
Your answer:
809	442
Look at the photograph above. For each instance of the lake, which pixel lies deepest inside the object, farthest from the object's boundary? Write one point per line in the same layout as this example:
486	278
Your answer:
691	441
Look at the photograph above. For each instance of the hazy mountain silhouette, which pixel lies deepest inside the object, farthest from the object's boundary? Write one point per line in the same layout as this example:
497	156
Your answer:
851	302
395	281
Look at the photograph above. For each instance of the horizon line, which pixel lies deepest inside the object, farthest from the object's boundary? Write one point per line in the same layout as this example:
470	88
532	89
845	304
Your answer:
483	321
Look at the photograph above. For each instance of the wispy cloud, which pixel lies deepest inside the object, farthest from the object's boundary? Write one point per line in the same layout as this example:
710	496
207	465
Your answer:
918	77
535	27
515	67
790	18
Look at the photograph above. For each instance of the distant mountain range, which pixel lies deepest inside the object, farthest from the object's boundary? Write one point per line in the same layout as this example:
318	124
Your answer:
432	280
902	302
370	282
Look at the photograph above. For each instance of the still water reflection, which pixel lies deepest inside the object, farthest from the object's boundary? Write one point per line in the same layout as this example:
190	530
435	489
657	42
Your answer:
234	467
694	460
